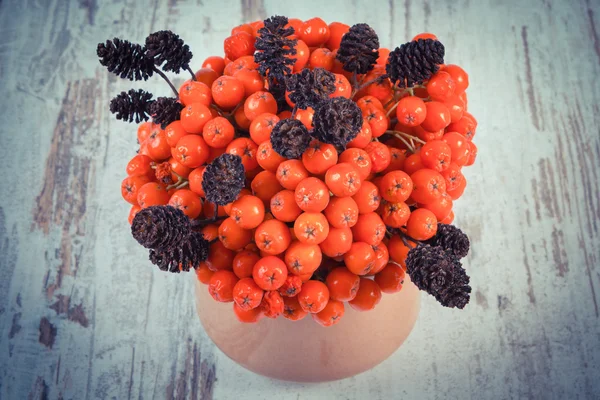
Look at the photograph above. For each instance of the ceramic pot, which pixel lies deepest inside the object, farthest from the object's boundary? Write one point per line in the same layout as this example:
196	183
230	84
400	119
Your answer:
304	351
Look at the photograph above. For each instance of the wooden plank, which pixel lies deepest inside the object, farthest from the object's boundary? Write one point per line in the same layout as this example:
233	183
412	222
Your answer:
83	315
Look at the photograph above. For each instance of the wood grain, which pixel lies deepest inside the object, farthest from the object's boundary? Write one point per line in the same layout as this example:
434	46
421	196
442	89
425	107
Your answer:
83	315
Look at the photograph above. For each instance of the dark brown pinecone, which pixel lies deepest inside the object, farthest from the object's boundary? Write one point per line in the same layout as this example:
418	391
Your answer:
165	47
440	274
310	88
337	121
187	254
359	49
160	227
165	110
223	179
451	239
132	105
414	62
290	138
126	59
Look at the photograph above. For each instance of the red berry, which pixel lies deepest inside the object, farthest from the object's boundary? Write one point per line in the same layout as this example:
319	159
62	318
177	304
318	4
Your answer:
221	285
411	111
422	224
436	155
246	294
437	116
239	45
331	314
368	295
391	278
270	273
313	296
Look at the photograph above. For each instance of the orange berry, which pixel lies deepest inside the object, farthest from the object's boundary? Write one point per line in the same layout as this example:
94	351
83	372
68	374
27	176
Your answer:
311	228
187	201
301	56
265	186
284	207
194	116
290	173
272	237
215	63
321	58
195	92
219	257
207	75
343	88
292	309
246	149
319	157
251	79
337	243
173	132
259	103
422	224
238	45
391	278
367	198
428	186
331	314
342	212
221	285
398	250
268	158
313	296
262	126
369	228
269	273
191	151
151	194
395	215
337	31
314	32
312	195
360	258
243	263
233	236
247	294
303	258
218	132
203	273
359	159
247	316
306	117
227	92
342	284
382	257
363	138
343	180
248	212
367	297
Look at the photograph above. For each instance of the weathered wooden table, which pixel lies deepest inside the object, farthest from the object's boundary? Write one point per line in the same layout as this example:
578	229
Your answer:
83	315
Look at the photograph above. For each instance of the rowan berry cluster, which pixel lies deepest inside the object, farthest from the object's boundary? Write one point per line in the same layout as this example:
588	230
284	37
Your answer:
313	167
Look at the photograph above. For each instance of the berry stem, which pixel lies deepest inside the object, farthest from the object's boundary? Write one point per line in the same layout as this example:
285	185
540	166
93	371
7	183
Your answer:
391	110
159	72
410	147
406	135
191	72
367	83
197	223
181	182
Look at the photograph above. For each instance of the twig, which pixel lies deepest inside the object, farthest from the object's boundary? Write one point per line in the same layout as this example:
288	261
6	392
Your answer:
159	72
191	72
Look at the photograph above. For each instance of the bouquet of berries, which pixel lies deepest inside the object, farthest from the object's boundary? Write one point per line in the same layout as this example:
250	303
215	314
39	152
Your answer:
306	169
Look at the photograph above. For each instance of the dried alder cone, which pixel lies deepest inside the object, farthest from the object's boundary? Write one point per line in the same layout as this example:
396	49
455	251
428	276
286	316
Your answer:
305	171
